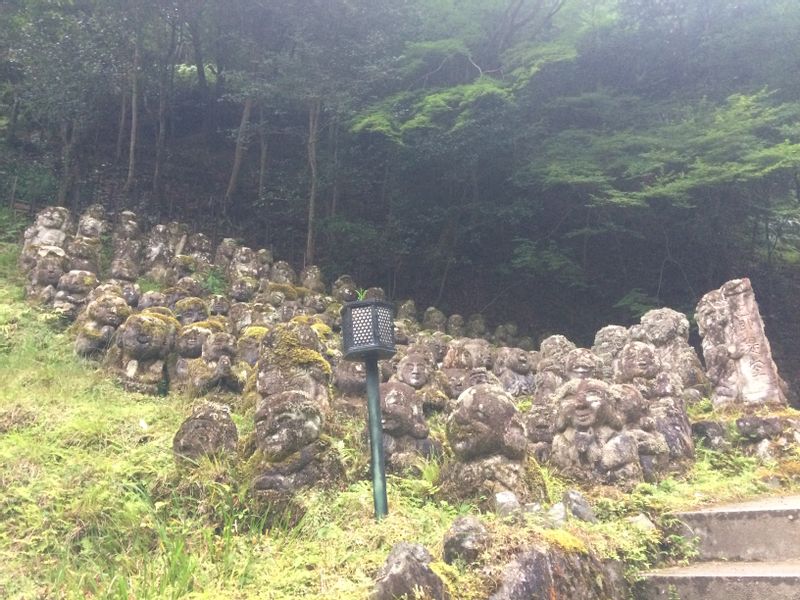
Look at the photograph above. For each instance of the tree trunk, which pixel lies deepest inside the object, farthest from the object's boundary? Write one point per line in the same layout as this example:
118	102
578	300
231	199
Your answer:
164	96
11	133
241	146
68	135
123	117
193	20
313	132
263	158
134	119
335	191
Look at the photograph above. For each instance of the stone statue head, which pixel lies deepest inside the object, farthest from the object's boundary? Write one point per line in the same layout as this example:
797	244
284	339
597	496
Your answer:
663	325
456	326
282	273
582	364
513	359
191	310
146	336
53	217
108	309
286	423
584	404
609	340
434	319
638	359
191	338
414	369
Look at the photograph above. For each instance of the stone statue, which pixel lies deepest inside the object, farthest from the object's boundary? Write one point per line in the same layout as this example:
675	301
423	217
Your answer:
49	263
248	346
345	289
143	343
468	353
589	443
416	369
736	349
95	327
434	319
456	326
512	366
191	310
216	369
209	431
407	311
127	247
581	363
311	279
668	331
476	326
551	370
243	289
72	292
488	438
405	432
224	254
608	343
157	254
243	264
52	228
283	274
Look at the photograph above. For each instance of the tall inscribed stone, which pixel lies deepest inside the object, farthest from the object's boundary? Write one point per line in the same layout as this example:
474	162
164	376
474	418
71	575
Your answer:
736	350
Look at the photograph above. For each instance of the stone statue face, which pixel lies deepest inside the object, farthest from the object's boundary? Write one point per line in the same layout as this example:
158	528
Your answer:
145	337
108	309
90	227
584	405
218	345
414	370
344	289
54	217
476	326
286	423
434	319
152	298
663	325
78	282
514	359
218	305
638	359
124	268
190	341
49	270
281	272
311	277
191	310
127	225
243	289
712	313
582	364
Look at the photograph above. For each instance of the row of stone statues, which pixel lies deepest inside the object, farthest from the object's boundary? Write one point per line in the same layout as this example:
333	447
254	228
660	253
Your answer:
614	413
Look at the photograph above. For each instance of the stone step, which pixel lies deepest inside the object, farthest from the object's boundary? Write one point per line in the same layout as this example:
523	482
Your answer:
759	530
723	581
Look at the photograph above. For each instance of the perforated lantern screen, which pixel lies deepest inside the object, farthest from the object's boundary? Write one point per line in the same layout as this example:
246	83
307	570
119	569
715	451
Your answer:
368	328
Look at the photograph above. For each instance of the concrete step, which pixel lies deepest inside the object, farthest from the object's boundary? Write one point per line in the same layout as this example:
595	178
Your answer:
723	581
760	530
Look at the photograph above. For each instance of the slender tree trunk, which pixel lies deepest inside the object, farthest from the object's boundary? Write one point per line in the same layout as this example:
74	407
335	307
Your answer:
263	158
68	136
11	133
202	83
123	118
335	191
241	147
164	97
134	119
313	133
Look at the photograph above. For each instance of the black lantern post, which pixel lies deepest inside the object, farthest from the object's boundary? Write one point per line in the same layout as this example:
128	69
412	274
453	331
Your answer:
367	336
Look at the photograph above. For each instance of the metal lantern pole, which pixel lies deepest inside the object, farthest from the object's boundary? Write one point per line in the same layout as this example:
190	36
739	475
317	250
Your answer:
376	438
368	336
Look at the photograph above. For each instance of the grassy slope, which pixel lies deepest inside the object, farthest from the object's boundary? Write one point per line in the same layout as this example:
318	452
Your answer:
92	504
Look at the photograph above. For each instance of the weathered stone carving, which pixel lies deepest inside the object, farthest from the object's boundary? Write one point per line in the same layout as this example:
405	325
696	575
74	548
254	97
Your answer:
216	369
488	438
282	273
405	432
668	331
735	348
243	264
209	431
345	289
157	254
224	254
468	353
416	369
51	228
190	310
73	291
49	263
434	319
551	370
608	343
476	326
311	279
143	343
407	311
589	443
456	326
513	367
95	327
248	347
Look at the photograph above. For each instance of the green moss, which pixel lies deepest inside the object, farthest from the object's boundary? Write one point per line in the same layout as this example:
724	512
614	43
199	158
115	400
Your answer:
289	291
287	350
164	315
254	331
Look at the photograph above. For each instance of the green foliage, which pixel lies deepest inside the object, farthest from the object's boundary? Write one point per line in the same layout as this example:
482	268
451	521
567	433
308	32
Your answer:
636	303
214	281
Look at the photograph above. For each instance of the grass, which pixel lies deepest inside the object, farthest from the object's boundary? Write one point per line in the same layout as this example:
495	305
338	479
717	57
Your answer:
92	504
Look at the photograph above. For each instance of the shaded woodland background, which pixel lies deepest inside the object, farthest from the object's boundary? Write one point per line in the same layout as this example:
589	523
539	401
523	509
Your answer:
564	164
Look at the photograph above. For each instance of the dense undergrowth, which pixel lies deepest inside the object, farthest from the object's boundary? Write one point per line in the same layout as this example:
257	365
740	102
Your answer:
92	503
